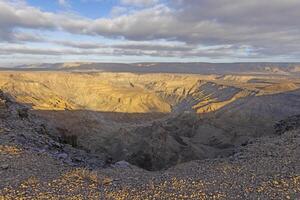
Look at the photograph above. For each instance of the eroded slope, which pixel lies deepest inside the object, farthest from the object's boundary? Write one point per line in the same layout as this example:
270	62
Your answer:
267	168
156	120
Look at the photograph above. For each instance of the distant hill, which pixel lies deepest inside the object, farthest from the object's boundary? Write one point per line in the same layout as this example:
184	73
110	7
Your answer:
189	68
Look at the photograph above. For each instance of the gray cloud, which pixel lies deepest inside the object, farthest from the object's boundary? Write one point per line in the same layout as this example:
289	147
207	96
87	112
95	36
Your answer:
22	49
265	27
172	51
28	50
80	45
147	46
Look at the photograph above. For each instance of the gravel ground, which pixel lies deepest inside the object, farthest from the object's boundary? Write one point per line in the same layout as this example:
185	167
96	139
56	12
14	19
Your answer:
268	168
33	166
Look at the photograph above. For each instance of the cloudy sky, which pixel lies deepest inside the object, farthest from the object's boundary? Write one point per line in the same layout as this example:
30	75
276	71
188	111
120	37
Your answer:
33	31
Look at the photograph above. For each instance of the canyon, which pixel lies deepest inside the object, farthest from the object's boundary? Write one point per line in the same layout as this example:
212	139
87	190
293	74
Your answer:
155	120
117	135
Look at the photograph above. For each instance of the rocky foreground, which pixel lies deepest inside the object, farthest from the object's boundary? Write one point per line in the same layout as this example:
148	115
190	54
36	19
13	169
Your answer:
34	164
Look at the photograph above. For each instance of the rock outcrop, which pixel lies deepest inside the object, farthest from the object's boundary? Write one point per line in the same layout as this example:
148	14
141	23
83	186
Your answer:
289	124
19	127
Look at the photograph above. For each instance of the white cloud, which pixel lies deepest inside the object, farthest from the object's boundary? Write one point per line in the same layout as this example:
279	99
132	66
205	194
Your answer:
139	2
118	10
64	3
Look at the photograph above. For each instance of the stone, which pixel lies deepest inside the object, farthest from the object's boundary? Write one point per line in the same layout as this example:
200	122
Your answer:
62	156
78	159
107	181
4	166
23	113
122	164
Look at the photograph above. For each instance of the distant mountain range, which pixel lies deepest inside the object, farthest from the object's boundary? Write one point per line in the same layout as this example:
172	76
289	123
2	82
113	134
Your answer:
189	68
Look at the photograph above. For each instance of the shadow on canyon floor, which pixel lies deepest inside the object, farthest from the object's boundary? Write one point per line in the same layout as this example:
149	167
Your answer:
156	141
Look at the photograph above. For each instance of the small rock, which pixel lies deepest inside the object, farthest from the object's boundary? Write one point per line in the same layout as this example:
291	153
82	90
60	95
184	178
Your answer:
270	154
62	156
7	129
107	181
23	113
4	167
122	164
78	159
69	162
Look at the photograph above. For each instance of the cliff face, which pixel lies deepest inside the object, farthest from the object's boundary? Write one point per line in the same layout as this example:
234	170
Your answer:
134	93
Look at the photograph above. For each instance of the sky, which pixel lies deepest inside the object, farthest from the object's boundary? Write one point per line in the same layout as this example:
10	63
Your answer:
39	31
